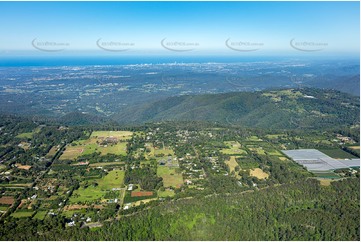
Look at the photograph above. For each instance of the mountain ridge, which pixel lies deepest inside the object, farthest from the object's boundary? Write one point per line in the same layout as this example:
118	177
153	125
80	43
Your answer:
276	108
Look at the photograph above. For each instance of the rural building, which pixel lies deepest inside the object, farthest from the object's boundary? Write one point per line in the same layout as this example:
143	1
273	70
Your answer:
72	223
316	161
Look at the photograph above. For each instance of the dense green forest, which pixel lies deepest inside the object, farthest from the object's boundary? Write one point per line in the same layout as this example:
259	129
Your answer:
302	210
278	109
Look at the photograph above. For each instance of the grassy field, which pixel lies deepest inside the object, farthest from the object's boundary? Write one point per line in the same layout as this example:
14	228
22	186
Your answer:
170	176
89	146
18	185
106	163
257	172
247	163
24	145
254	138
22	167
118	149
232	163
233	148
277	96
114	179
329	175
120	135
2	167
258	150
166	193
3	208
325	182
72	152
337	153
28	135
274	152
88	194
22	214
52	151
145	162
92	145
129	199
40	215
164	151
137	203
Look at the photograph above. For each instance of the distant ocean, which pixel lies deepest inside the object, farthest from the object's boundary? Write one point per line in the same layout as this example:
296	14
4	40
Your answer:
51	61
93	60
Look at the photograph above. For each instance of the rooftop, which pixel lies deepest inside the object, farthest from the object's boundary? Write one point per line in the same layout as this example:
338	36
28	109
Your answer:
315	160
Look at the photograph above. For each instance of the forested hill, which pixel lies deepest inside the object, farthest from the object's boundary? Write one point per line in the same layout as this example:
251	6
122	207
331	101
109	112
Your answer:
349	85
279	109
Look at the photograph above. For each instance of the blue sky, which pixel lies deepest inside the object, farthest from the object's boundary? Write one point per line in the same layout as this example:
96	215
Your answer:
139	27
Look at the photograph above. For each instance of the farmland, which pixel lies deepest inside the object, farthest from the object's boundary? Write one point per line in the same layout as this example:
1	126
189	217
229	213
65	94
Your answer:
337	154
72	153
171	177
3	208
247	163
28	135
120	135
325	182
152	151
274	153
326	175
141	194
106	164
232	163
162	151
89	194
7	200
136	196
24	167
144	201
254	138
94	181
24	145
104	142
22	214
114	179
318	162
97	189
258	150
234	148
257	172
166	193
2	167
52	151
85	148
40	215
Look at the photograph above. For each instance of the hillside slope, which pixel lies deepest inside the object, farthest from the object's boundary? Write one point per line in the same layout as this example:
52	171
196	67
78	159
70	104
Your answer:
281	109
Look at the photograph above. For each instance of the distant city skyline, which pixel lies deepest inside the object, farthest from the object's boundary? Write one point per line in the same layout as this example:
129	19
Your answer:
179	28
